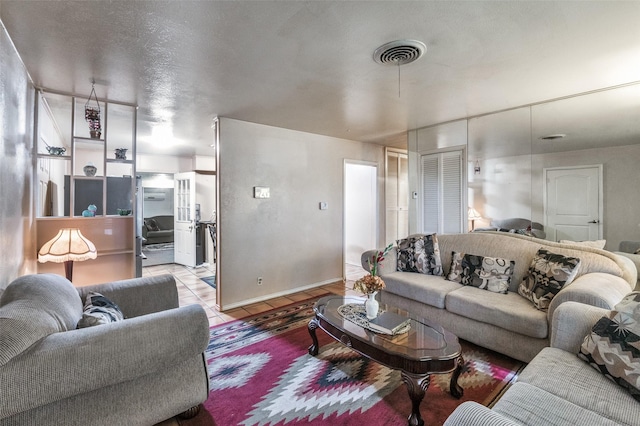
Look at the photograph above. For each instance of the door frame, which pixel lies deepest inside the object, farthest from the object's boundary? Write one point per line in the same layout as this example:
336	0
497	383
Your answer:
375	166
191	177
600	192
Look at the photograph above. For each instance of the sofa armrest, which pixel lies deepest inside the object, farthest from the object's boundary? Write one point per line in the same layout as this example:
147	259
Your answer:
74	362
139	296
595	289
387	266
473	414
632	261
572	321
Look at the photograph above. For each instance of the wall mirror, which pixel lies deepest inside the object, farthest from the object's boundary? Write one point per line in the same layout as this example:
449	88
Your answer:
585	152
569	166
499	171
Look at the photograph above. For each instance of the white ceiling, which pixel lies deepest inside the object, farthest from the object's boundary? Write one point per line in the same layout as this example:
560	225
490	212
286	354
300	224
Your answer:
307	65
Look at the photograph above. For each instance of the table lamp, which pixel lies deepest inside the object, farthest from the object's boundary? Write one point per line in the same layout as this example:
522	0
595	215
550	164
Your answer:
473	216
68	245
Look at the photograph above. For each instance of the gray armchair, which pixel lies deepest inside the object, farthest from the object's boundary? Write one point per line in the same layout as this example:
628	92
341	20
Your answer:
139	371
516	225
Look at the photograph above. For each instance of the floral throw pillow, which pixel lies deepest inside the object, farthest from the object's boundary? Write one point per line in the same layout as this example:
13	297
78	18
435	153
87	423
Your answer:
489	273
613	346
419	254
548	274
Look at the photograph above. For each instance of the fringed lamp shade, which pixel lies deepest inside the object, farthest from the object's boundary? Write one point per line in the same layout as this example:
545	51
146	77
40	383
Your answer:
473	216
67	246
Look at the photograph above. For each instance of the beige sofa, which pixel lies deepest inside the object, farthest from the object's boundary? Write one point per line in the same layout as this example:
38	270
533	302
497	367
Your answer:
507	323
558	388
628	249
138	371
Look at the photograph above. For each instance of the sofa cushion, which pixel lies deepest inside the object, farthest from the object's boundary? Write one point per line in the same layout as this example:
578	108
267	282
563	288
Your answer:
33	307
99	310
530	405
419	253
509	311
548	273
566	376
613	346
489	273
428	289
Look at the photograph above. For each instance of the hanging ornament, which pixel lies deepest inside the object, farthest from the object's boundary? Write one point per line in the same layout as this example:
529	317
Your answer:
92	115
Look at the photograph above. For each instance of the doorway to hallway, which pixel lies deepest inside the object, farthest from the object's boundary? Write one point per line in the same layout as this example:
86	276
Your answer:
360	212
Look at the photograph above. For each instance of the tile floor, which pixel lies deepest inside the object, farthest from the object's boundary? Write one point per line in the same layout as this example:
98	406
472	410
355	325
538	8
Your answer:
191	289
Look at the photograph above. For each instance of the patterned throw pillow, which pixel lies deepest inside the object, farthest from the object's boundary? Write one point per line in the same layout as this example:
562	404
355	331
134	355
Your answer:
151	225
548	273
99	310
489	273
613	346
420	254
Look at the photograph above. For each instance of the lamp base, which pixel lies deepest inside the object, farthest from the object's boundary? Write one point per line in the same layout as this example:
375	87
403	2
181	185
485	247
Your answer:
68	269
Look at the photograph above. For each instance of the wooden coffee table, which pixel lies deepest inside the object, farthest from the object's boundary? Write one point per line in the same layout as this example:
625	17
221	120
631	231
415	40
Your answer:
425	349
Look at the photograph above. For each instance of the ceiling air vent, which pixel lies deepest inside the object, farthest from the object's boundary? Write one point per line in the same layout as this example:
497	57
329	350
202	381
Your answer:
399	52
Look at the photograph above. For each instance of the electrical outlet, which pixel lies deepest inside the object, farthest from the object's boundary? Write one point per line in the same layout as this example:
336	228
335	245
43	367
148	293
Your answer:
259	280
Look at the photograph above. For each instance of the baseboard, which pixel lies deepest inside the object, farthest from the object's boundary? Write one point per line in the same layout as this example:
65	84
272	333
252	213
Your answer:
279	294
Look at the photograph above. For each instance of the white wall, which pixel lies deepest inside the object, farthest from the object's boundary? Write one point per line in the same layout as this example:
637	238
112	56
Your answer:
360	218
286	239
502	190
17	164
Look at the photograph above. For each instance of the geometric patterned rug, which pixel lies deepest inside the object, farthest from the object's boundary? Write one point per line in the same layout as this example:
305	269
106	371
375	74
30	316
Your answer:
261	374
210	280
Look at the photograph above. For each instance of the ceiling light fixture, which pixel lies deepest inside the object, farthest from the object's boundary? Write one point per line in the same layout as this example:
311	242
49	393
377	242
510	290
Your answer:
399	52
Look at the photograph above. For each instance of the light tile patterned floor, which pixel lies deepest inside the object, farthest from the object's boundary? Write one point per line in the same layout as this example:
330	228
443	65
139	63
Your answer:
191	289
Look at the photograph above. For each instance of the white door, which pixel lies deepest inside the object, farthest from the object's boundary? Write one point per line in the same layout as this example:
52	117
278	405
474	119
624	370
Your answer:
184	227
396	185
573	203
442	193
360	210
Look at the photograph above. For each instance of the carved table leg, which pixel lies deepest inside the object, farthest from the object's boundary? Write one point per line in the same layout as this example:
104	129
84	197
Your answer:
417	387
313	349
455	389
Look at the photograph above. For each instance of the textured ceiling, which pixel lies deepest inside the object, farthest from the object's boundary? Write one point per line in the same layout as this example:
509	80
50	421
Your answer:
307	65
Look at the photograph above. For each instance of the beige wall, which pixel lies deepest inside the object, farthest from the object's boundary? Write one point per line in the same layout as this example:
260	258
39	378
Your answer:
17	228
286	239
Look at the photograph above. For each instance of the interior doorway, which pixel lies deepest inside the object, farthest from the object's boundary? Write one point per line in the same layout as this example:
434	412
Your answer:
360	213
573	203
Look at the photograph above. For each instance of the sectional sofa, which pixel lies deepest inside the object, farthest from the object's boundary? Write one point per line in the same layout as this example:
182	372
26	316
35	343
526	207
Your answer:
559	388
507	323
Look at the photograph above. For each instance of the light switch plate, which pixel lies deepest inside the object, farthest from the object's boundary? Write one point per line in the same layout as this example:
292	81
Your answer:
323	205
261	192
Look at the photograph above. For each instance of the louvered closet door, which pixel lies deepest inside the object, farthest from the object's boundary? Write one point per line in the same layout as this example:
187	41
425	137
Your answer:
442	207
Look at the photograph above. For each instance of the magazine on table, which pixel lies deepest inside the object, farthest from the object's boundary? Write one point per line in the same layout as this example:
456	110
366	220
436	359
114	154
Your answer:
389	322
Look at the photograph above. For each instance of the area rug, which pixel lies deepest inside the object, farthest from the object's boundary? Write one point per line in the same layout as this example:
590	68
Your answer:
261	374
210	280
157	254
